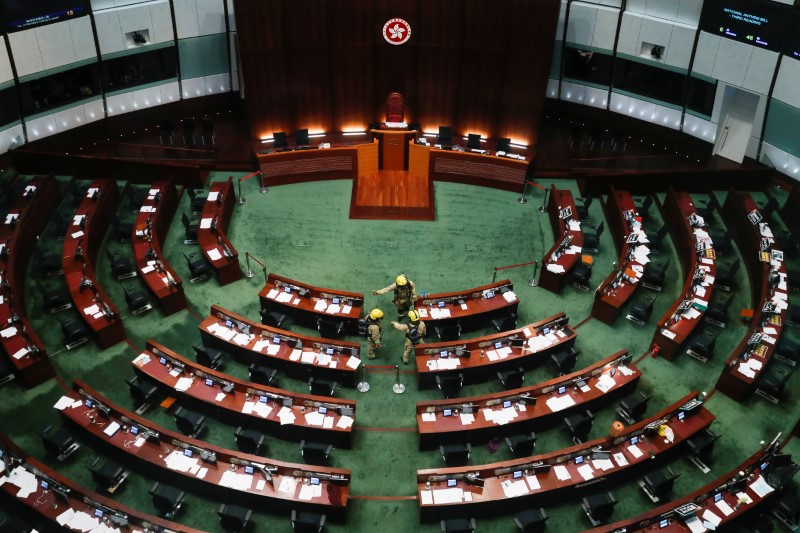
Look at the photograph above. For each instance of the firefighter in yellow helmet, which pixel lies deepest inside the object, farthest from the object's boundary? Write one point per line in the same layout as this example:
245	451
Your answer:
404	293
373	323
414	330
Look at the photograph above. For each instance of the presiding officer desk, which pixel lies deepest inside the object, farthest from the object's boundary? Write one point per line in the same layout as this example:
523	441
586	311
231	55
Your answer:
149	231
44	495
698	260
298	356
205	469
507	486
565	253
285	414
211	237
770	293
79	257
19	229
479	358
527	409
307	304
471	309
631	243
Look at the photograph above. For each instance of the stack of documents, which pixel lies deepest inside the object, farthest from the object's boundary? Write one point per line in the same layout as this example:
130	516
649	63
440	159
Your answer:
177	461
605	383
557	403
236	481
183	384
500	416
286	416
344	422
514	488
308	492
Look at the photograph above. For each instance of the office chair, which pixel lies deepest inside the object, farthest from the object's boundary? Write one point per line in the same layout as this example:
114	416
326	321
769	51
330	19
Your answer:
473	141
166	499
620	137
793	316
657	239
330	329
321	387
272	318
208	136
579	425
717	311
458	525
787	509
307	522
580	275
597	136
143	392
49	264
531	520
189	422
196	201
632	407
565	360
450	384
233	518
505	323
700	447
261	374
772	381
107	474
189	230
199	268
249	440
137	300
62	225
188	131
658	485
503	145
576	135
58	442
726	275
9	524
445	137
165	131
643	208
521	445
451	332
301	137
122	230
591	240
641	309
512	378
599	508
583	208
74	332
723	242
121	266
769	208
654	273
209	357
707	211
315	453
55	298
135	198
788	349
701	345
457	454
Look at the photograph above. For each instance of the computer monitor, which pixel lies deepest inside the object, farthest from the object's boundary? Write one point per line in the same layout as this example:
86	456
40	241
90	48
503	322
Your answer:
45	484
209	382
329	351
276	340
98	513
323	410
447	412
579	460
263	399
187	452
248	469
134	430
562	390
301	137
162	360
89	404
452	482
440	304
473	141
507	404
634	441
517	474
503	145
612	372
498	345
717	497
443	353
314	481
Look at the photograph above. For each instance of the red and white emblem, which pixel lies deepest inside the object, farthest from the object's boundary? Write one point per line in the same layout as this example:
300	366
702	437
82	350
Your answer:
396	31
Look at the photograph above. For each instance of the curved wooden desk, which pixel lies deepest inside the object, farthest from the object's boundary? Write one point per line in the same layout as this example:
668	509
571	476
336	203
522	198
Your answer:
285	414
482	357
19	229
63	497
675	327
527	409
474	168
79	257
472	308
296	166
149	231
252	342
306	304
212	471
537	482
744	365
618	288
566	252
211	235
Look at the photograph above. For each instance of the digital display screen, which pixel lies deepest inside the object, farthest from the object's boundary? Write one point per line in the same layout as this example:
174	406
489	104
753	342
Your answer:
663	524
276	340
323	410
517	474
45	485
579	460
248	469
228	324
329	351
210	382
134	430
755	22
498	345
315	481
89	404
507	404
23	14
162	360
187	452
98	513
681	415
443	353
490	294
634	441
262	399
562	390
447	412
440	304
452	482
717	497
792	46
336	300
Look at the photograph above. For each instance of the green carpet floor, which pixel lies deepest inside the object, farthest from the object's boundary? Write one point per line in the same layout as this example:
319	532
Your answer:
303	232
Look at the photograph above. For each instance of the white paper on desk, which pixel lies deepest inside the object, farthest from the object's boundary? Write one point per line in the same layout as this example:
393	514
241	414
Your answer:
63	403
272	294
745	369
273	349
260	484
527	332
353	362
514	488
284	297
562	473
219	397
691	313
510	297
148	209
183	384
695	525
574	225
241	339
11	218
760	487
259	345
213	254
667	333
262	409
635	451
76	220
148	269
723	506
175	372
140	442
711	518
19	354
533	482
201	474
323	359
314	418
206	223
602	464
321	305
286	416
429	417
8	332
308	358
287	484
467	418
605	383
112	428
770	331
77	234
306	492
333	309
328	422
464	306
344	422
295	355
557	403
426	497
66	517
586	471
98	315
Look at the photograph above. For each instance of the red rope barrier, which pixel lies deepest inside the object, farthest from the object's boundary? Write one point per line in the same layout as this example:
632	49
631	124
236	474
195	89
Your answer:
515	266
250	175
537	185
256	260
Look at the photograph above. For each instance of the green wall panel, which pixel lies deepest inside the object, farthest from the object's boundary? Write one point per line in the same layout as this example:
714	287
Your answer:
203	56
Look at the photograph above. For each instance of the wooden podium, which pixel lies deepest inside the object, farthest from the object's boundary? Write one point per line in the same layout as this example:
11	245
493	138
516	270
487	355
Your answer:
393	152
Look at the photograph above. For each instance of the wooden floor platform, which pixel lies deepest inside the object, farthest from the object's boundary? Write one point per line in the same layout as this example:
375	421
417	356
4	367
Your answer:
392	195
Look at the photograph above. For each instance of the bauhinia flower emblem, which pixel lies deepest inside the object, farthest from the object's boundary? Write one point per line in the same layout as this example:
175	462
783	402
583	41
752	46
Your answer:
396	31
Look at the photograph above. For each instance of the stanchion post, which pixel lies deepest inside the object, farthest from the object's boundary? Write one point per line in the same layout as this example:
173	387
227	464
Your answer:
398	387
494	276
543	207
265	274
522	200
241	198
533	281
263	189
363	386
249	272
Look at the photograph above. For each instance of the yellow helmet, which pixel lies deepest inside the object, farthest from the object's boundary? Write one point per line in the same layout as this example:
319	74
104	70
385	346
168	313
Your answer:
376	314
401	280
413	316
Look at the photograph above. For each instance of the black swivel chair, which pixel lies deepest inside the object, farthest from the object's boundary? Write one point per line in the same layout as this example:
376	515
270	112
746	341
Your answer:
301	137
143	392
122	230
166	499
315	453
521	445
787	509
657	239
458	525
272	318
788	349
457	454
723	242
49	264
591	240
199	267
580	275
137	300
707	211
653	277
512	378
451	332
565	360
189	230
55	298
10	524
701	446
658	485
531	520
641	309
58	442
599	508
74	332
772	382
196	201
62	225
701	345
233	518
321	387
579	425
263	375
330	329
473	141
769	208
108	475
717	311
583	208
210	357
505	323
166	135
249	440
306	522
503	145
450	384
726	274
188	131
189	422
135	198
208	136
632	407
279	140
121	265
445	137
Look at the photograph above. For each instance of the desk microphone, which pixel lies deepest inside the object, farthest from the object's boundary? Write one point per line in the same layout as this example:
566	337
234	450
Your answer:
219	198
214	223
4	249
79	249
150	254
157	197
